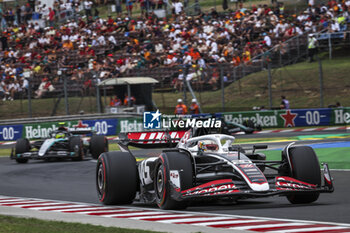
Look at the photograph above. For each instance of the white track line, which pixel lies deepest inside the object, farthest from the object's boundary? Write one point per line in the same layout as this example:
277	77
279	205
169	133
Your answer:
150	213
287	130
227	222
265	131
56	207
194	219
70	209
307	130
27	204
89	209
331	128
14	201
91	212
311	229
158	216
268	226
24	202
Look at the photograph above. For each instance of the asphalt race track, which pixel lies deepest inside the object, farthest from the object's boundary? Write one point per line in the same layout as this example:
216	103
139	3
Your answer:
75	181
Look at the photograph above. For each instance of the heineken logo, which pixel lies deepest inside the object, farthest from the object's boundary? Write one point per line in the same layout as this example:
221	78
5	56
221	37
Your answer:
38	131
127	126
263	120
341	117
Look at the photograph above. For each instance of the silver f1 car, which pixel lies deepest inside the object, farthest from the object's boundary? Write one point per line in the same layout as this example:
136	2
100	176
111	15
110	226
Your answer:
62	143
207	167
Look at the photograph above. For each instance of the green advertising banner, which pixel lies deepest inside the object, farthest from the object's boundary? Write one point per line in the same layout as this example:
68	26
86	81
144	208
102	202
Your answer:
340	116
126	125
42	130
265	119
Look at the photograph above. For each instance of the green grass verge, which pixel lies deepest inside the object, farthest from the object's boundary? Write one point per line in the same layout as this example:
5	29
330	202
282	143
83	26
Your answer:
299	82
44	107
335	157
30	225
5	152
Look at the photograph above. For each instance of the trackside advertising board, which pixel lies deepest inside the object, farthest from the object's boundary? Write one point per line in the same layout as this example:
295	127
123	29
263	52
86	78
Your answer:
284	118
267	119
10	132
42	130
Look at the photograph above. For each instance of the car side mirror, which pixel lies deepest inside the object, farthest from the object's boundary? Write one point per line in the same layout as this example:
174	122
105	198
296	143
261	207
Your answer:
260	147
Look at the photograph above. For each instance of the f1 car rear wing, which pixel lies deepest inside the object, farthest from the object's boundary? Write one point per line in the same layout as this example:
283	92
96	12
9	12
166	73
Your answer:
80	130
152	139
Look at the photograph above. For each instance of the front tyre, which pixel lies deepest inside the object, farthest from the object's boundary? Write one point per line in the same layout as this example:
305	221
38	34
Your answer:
250	126
172	161
76	146
116	178
98	145
22	146
305	167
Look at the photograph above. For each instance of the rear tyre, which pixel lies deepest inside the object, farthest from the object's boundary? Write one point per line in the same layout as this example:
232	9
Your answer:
116	178
76	146
22	146
172	161
98	145
305	167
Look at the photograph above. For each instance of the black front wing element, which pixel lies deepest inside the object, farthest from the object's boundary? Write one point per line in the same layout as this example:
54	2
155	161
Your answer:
49	154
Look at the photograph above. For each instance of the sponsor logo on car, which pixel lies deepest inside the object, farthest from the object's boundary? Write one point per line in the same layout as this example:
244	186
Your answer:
222	189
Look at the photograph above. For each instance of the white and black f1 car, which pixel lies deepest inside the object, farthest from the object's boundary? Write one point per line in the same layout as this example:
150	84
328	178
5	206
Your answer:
207	167
62	143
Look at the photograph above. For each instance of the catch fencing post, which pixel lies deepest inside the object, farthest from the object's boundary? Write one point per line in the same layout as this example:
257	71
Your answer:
222	88
320	71
98	95
184	84
65	94
329	46
27	75
298	45
269	85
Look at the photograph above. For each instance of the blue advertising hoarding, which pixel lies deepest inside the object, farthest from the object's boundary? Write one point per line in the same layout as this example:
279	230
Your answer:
10	132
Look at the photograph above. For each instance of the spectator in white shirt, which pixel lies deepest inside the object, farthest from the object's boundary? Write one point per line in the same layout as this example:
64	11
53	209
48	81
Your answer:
178	7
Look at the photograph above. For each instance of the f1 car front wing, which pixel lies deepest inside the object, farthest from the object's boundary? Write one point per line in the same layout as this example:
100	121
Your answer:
48	154
280	185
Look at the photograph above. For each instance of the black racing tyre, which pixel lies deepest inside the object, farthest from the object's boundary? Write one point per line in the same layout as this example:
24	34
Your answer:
76	145
98	145
305	167
172	161
258	127
22	146
249	123
116	178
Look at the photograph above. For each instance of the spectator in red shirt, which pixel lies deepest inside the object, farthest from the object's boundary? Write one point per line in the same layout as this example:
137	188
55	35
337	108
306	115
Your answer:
51	17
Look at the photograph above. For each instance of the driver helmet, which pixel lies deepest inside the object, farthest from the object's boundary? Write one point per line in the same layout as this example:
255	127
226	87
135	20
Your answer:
208	145
59	135
62	126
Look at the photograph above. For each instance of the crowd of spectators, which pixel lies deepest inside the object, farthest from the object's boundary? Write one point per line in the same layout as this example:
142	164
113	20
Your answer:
89	49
